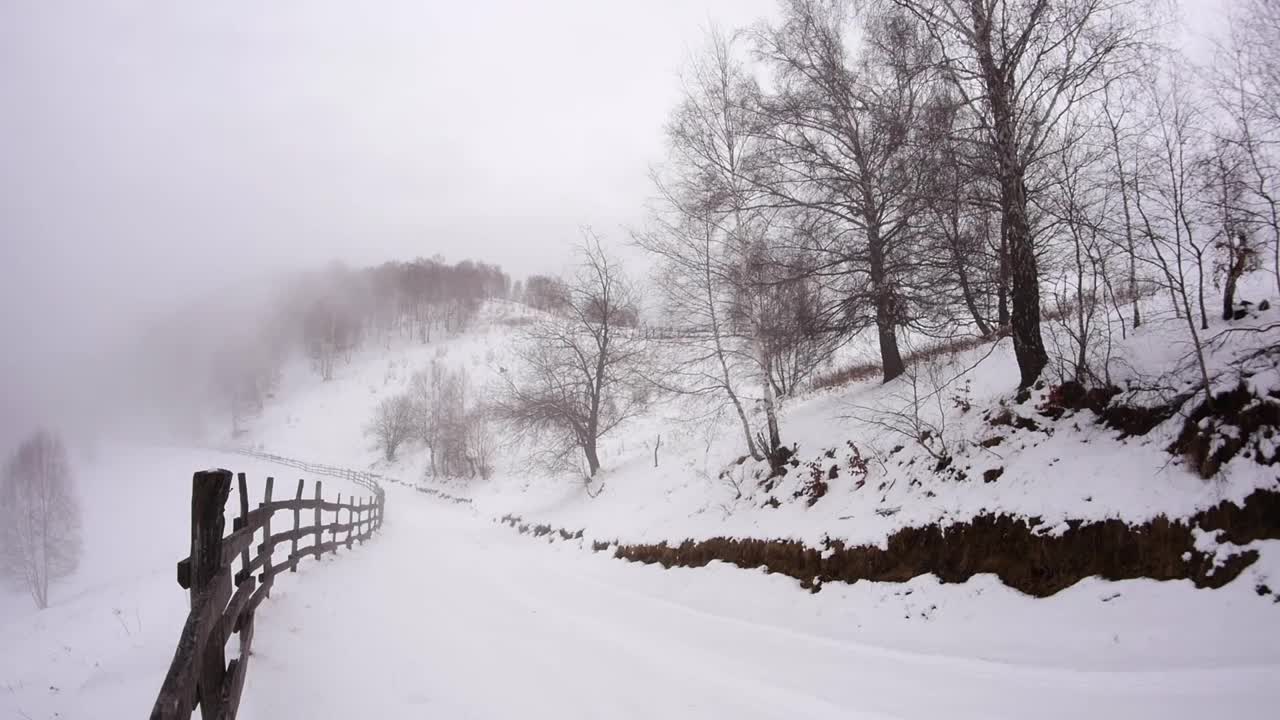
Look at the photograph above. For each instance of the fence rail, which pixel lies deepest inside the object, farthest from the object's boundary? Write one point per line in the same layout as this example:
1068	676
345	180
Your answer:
223	602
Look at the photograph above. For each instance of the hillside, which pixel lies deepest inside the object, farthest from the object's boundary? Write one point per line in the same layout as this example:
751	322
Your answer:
451	586
858	473
859	478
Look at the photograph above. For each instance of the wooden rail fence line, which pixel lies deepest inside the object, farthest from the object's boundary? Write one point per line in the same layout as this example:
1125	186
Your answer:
223	602
369	480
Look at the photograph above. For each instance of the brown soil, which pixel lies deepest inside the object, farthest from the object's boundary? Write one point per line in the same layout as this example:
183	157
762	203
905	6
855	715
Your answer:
1237	421
1003	545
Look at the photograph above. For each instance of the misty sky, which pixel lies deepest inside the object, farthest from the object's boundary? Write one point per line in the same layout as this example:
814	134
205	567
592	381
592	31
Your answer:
141	136
153	150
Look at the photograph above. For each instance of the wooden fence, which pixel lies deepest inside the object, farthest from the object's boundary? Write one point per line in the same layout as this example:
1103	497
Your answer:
223	602
372	481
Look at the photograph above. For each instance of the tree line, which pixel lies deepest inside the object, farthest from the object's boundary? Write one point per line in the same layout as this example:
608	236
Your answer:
329	315
922	169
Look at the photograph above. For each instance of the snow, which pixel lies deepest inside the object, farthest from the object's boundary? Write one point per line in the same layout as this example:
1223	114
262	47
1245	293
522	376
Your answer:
449	614
108	637
454	617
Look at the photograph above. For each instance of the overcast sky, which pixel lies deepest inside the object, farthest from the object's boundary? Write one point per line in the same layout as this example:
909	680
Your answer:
141	136
150	150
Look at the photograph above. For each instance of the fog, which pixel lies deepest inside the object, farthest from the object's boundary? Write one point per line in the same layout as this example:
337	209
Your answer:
161	154
155	153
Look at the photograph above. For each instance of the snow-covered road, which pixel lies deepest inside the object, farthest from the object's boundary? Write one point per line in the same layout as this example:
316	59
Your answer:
447	615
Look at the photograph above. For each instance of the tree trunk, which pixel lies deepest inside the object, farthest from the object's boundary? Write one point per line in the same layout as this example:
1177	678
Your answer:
1002	286
593	460
1133	248
746	425
1024	320
886	317
1235	268
1228	297
1024	276
1204	315
725	375
967	292
770	406
1128	220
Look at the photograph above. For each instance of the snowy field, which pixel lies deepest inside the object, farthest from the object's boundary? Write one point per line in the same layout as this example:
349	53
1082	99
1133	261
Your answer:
104	644
448	614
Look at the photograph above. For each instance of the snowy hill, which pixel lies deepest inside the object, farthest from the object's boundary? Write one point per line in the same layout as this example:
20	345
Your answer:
859	474
457	586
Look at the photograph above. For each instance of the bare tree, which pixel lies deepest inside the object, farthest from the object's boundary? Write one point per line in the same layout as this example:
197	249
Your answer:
1245	85
481	446
1024	63
700	354
449	423
1165	204
1117	109
958	205
439	397
1224	196
449	453
716	238
796	337
840	129
1075	207
39	516
579	375
392	424
426	390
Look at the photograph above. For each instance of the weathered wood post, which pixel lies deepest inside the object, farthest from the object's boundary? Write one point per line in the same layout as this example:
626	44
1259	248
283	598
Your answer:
209	492
242	521
319	528
351	520
333	529
268	547
297	524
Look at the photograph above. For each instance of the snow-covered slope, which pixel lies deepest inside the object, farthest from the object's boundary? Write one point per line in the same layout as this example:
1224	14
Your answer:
1057	469
462	616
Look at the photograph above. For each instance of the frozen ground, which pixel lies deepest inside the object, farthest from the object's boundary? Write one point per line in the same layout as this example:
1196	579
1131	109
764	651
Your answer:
102	647
447	614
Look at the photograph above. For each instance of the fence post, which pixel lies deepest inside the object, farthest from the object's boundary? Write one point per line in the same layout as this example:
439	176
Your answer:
351	520
209	492
242	522
319	527
297	523
363	518
268	547
333	529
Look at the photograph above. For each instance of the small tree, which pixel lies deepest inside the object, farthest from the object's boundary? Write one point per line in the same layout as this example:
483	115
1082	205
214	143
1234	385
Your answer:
39	517
480	443
579	373
392	424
